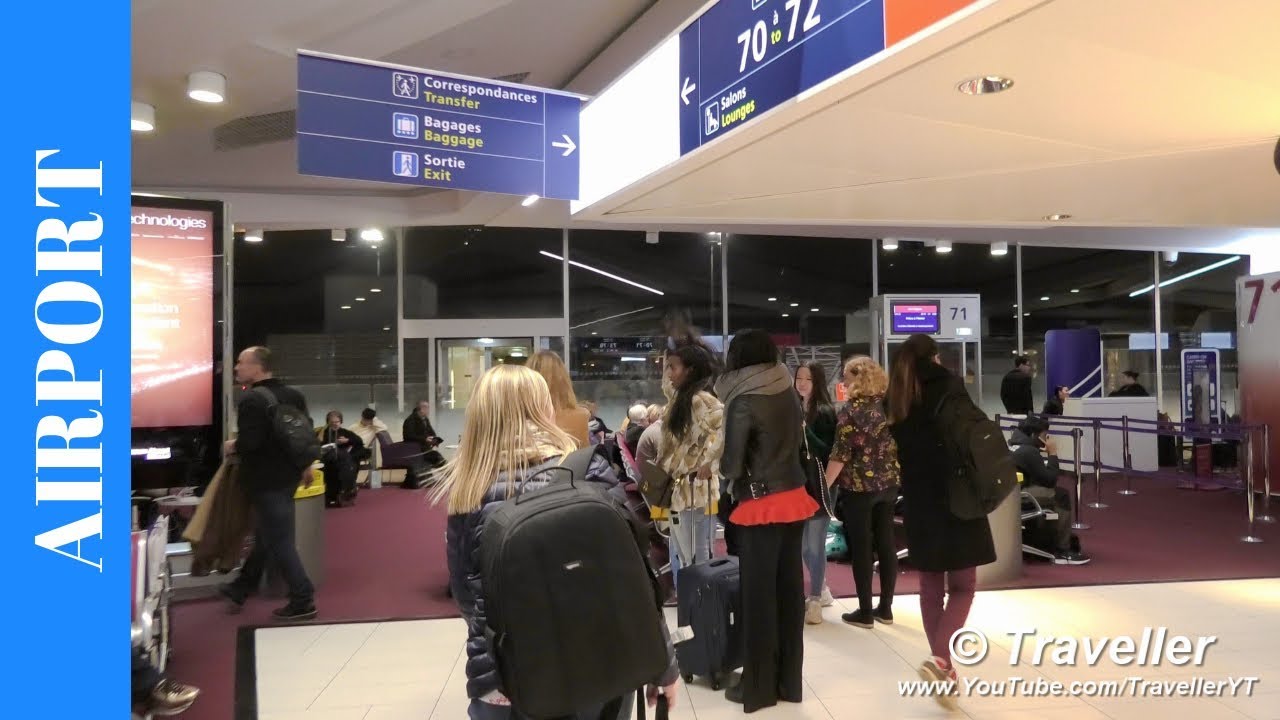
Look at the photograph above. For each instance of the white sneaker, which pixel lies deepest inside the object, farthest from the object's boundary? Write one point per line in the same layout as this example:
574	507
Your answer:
827	598
813	612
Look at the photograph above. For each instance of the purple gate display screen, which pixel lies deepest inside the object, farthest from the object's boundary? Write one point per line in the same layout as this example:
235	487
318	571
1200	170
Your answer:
916	316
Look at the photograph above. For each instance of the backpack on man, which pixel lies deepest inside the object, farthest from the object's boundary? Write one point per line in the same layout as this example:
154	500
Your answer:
983	473
293	430
574	614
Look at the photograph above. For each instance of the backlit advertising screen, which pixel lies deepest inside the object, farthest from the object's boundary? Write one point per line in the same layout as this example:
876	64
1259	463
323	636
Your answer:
172	351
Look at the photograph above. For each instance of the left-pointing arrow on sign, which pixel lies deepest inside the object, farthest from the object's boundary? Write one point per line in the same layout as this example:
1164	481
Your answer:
688	88
567	145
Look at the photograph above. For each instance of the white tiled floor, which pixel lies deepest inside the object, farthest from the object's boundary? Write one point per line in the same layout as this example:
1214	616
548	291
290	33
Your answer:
414	670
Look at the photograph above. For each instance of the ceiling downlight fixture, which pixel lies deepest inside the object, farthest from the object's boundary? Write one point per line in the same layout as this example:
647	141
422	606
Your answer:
999	249
371	235
985	85
943	246
889	244
142	118
1057	217
206	87
253	236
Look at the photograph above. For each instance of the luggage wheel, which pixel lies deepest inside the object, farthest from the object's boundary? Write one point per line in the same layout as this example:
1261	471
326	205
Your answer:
688	678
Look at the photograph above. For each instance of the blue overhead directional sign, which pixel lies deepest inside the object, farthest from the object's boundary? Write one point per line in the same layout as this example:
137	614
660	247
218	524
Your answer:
742	58
363	120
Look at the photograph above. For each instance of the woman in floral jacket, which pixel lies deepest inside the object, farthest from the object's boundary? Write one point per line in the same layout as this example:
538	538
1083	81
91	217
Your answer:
692	440
864	462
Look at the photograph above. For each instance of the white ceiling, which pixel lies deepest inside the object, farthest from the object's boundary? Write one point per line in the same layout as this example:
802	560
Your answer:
1131	119
1122	115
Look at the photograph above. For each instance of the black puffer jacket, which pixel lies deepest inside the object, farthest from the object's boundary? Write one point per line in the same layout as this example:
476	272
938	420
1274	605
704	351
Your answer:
463	547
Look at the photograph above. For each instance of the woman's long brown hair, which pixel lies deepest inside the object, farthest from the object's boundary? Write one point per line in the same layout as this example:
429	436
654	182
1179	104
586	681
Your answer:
904	380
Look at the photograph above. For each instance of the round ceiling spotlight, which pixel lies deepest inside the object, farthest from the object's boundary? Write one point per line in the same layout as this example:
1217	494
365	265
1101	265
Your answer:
999	248
889	243
142	118
985	85
943	246
253	236
206	87
371	235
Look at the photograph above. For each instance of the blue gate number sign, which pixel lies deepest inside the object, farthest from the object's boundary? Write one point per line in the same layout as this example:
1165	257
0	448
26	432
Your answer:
742	58
362	120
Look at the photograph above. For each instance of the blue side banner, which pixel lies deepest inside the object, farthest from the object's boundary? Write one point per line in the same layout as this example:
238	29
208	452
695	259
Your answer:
64	530
1074	358
368	121
742	58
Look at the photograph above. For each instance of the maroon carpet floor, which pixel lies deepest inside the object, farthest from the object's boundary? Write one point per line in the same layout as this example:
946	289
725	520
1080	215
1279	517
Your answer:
385	559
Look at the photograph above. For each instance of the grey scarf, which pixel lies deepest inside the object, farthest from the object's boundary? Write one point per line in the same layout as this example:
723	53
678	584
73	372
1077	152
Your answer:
767	379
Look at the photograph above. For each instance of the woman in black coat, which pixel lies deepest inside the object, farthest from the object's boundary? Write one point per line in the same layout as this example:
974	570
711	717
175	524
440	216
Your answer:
945	549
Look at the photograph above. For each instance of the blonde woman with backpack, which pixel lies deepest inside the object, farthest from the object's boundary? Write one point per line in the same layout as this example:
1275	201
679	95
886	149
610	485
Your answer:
512	447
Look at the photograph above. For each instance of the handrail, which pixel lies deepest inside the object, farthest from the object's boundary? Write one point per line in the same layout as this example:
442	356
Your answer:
1246	435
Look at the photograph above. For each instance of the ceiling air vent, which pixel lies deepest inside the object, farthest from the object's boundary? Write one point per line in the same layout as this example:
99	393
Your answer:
255	130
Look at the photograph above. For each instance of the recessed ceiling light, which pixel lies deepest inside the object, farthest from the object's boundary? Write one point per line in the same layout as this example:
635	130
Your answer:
530	200
595	333
388	327
375	289
889	243
253	236
999	248
814	310
372	235
943	246
773	299
985	85
1044	298
1026	314
795	304
346	307
486	341
359	299
786	314
1075	290
206	87
142	118
1057	216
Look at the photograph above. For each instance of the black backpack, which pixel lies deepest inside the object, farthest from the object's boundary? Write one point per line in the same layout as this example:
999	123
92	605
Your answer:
292	429
574	614
983	472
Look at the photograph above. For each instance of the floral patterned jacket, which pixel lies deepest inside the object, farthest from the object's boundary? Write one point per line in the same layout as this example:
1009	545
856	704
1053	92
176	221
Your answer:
866	448
701	446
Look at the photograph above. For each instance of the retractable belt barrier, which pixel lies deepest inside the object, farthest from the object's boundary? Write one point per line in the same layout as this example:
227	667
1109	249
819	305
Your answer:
1247	435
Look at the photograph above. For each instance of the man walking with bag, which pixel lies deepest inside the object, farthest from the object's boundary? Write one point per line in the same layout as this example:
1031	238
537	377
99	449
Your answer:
276	446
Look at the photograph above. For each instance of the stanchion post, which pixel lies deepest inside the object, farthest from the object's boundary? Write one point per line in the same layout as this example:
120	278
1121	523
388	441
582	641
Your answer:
1077	435
1247	447
1097	503
1266	515
1128	459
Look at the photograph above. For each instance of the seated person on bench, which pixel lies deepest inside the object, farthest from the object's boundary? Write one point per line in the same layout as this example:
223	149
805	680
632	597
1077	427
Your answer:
417	429
1040	481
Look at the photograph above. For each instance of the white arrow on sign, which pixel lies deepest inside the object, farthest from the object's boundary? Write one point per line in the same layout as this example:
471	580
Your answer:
688	88
568	145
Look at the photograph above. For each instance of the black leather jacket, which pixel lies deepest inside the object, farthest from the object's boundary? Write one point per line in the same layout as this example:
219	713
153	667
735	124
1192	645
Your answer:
463	548
762	439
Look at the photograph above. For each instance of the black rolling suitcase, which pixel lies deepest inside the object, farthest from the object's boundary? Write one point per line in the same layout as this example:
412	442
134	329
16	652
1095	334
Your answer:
709	603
